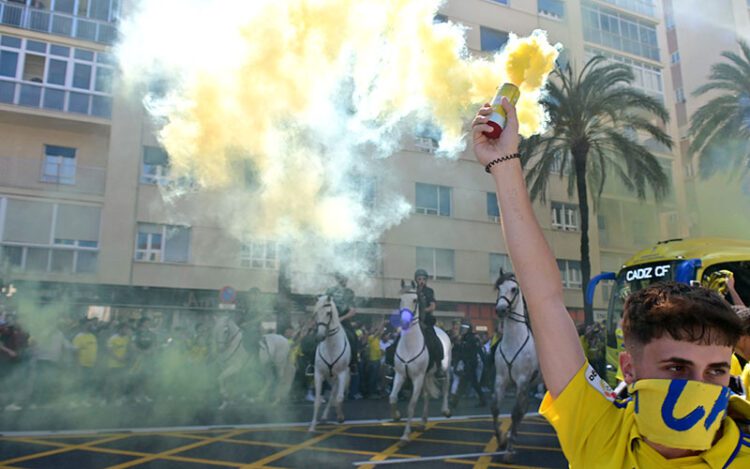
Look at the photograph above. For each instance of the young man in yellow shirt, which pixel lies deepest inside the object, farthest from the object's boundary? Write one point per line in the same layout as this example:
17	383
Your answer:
678	341
86	347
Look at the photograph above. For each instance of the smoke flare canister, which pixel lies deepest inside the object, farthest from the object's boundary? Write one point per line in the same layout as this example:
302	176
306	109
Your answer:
498	117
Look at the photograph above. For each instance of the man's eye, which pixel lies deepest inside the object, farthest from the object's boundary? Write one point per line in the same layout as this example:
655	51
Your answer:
676	368
717	372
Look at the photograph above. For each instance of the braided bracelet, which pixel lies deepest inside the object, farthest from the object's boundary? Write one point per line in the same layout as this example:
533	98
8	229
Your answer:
500	160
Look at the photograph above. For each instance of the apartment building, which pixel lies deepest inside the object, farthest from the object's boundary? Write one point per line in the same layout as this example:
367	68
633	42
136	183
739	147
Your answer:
81	173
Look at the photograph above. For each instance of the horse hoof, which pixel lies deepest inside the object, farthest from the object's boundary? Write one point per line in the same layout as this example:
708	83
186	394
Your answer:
340	420
508	457
311	430
447	414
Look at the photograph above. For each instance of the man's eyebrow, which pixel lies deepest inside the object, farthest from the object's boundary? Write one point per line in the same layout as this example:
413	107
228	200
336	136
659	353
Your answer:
681	361
720	365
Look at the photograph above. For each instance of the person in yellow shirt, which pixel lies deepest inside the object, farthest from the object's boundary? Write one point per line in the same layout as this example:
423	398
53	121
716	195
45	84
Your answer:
118	346
374	354
678	346
86	349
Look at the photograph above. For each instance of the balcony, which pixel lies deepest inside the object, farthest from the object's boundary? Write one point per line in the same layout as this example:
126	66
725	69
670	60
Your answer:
59	24
29	173
55	98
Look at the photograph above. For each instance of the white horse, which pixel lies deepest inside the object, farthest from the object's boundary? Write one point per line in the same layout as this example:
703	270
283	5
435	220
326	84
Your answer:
515	357
234	359
411	361
332	357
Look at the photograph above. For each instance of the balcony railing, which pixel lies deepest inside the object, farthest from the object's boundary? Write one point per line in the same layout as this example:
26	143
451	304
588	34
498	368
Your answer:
29	173
61	24
55	98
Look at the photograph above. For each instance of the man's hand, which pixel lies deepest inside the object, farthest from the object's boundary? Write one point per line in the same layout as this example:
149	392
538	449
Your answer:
486	149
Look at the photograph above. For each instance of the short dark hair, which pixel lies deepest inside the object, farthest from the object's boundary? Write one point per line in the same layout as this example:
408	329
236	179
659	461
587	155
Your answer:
686	313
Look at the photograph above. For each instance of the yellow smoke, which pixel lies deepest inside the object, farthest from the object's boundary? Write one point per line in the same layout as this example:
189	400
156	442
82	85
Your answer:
297	88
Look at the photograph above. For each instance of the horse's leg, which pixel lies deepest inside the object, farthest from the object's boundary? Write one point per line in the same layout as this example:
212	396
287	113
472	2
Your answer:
398	381
501	382
318	392
425	404
417	383
331	398
446	391
519	411
341	387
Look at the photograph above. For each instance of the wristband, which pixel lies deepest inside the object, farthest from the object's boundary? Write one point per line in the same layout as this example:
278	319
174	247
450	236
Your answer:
500	160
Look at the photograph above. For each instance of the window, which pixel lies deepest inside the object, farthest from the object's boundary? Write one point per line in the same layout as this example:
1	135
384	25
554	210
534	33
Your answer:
493	210
47	237
59	165
679	95
675	58
259	254
505	2
492	40
619	31
162	243
551	8
439	263
155	169
557	163
564	216
570	272
425	144
51	76
647	77
440	19
643	7
497	262
433	200
365	187
601	222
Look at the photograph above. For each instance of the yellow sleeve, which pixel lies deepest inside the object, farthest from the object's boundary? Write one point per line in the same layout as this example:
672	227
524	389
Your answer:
585	418
745	378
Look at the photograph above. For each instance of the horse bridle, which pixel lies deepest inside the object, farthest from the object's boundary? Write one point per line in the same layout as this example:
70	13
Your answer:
413	321
513	316
330	333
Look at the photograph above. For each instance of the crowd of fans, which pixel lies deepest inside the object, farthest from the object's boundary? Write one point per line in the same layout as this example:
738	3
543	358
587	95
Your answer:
88	362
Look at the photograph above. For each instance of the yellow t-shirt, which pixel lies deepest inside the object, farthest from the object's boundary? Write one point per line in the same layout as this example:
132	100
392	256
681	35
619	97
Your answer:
745	378
596	431
86	348
735	367
118	349
373	349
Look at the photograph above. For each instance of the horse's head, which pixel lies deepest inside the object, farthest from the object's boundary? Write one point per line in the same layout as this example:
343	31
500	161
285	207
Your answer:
225	331
326	317
409	305
508	293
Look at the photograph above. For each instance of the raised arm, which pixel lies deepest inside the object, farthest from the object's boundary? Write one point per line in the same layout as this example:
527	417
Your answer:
560	353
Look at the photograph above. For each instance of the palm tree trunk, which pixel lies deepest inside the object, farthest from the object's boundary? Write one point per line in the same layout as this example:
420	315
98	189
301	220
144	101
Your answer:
579	160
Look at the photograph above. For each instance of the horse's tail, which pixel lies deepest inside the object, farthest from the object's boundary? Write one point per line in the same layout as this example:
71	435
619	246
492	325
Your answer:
431	386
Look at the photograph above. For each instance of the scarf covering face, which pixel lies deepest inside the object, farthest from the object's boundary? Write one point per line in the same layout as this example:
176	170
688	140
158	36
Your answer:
679	413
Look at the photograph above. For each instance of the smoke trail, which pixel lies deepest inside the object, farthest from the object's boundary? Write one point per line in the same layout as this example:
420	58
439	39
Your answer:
283	107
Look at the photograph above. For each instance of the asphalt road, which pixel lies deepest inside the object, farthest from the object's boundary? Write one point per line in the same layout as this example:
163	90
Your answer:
190	435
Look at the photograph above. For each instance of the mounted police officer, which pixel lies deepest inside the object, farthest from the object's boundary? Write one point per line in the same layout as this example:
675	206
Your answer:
343	297
427	305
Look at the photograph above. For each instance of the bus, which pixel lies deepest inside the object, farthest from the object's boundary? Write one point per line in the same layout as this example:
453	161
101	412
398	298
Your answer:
690	261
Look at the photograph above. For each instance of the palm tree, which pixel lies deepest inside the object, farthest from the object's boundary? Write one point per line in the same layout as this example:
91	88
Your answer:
721	127
595	117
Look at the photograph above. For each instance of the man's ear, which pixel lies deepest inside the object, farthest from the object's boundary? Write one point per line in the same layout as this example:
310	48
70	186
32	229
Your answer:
627	367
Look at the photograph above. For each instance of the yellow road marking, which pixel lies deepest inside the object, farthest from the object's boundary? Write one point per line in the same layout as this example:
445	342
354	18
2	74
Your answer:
179	449
393	449
491	446
293	449
66	448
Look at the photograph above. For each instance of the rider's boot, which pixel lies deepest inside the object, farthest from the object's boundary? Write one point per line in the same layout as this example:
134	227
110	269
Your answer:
310	370
390	372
